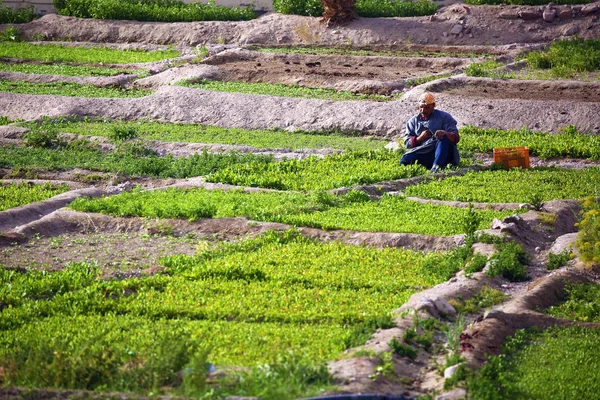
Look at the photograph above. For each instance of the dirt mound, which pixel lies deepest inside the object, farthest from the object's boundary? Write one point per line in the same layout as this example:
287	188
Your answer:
478	26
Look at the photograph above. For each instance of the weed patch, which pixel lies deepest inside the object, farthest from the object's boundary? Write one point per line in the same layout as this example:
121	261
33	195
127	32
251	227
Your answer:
588	238
582	303
364	8
509	261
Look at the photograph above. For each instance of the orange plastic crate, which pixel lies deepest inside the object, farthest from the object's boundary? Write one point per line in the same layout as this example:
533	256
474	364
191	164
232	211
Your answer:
512	157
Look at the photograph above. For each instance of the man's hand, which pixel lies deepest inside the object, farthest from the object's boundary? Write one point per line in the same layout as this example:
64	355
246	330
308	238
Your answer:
426	134
439	135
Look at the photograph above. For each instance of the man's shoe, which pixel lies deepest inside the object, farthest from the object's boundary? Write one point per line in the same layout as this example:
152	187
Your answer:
435	169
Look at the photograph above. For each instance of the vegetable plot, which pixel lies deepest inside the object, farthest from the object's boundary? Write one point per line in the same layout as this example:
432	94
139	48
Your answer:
313	173
242	303
507	186
15	195
353	211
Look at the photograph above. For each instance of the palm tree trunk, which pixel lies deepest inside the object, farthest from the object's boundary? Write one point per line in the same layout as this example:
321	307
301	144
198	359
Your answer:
338	12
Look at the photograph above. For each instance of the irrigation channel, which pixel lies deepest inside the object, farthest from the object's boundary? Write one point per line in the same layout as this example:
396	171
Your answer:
229	217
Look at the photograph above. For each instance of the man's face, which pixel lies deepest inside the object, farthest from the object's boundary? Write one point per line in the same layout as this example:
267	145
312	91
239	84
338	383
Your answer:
426	109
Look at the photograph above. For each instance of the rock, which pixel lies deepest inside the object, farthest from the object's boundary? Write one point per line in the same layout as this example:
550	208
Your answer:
12	132
451	371
494	314
549	14
471	35
428	306
511	227
565	13
444	307
496	223
525	206
392	146
508	15
444	34
436	307
589	9
456	29
529	15
513	218
454	394
563	243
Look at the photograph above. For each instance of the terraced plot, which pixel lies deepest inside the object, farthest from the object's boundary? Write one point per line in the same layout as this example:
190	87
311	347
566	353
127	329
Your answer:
196	291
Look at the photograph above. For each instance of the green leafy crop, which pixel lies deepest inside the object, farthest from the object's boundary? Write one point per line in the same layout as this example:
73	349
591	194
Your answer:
126	163
314	173
68	70
353	211
507	186
60	53
556	363
245	302
568	143
68	89
15	195
196	133
282	90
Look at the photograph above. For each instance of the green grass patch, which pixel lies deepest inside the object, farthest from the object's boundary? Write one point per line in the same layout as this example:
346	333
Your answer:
100	55
68	70
507	186
582	303
362	52
559	363
568	143
196	133
152	10
281	90
314	173
353	211
15	195
122	162
69	89
364	8
256	302
4	120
